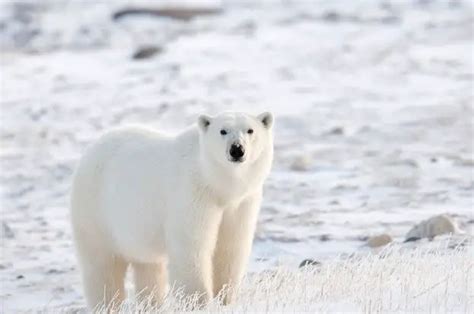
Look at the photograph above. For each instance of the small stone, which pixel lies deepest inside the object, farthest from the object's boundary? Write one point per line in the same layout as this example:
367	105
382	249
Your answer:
325	237
309	262
336	131
437	225
379	240
20	277
53	271
301	163
412	239
331	16
7	232
146	52
362	238
184	13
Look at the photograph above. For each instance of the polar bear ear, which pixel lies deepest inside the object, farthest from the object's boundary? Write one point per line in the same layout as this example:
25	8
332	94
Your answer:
203	122
267	119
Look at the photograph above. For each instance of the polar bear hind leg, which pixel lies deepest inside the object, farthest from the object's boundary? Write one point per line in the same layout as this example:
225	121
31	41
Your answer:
103	275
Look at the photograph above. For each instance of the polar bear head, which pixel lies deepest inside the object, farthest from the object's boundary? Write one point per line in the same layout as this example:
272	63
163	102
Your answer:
236	139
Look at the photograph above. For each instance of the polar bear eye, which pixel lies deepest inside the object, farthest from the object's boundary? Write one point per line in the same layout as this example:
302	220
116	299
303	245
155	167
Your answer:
250	131
223	132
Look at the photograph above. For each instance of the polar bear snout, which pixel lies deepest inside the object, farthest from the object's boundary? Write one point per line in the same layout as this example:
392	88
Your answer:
237	152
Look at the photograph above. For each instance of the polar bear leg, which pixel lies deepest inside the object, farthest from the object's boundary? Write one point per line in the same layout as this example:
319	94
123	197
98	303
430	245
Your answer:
191	242
234	244
103	278
150	282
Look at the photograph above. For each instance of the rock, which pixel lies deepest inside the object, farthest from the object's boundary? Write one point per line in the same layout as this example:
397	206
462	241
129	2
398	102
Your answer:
325	237
336	131
301	163
184	13
379	240
7	232
331	16
362	238
146	52
309	262
411	239
53	271
437	225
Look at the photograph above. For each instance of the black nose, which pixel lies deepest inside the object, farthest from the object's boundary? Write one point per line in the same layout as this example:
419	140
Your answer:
236	151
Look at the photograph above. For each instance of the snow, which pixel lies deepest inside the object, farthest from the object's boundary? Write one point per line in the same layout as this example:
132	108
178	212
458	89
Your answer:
376	96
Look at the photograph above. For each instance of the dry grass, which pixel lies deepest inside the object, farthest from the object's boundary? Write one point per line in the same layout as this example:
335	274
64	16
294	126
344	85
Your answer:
436	279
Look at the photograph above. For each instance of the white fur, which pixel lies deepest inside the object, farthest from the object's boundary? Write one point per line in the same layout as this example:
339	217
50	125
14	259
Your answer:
170	205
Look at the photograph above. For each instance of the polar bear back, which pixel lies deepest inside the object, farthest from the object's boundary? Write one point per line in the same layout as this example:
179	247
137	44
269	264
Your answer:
128	180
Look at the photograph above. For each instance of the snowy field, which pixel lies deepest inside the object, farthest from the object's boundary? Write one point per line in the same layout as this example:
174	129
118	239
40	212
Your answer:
373	133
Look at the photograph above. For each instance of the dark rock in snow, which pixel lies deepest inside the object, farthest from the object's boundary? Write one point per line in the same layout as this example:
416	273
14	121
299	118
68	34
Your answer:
309	262
325	237
146	52
331	16
7	232
179	13
412	239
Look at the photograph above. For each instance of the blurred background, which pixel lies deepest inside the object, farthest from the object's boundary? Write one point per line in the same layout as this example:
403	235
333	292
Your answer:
373	106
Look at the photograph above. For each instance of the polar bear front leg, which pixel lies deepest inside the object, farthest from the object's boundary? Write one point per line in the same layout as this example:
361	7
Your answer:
191	239
234	244
150	282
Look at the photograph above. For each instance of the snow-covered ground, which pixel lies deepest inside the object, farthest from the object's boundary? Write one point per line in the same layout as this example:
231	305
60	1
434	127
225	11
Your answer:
373	101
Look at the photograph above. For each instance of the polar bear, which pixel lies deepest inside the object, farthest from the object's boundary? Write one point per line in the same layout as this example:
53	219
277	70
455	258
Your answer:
182	207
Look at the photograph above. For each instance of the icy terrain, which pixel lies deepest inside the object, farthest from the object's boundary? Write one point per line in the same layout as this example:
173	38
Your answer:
373	104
